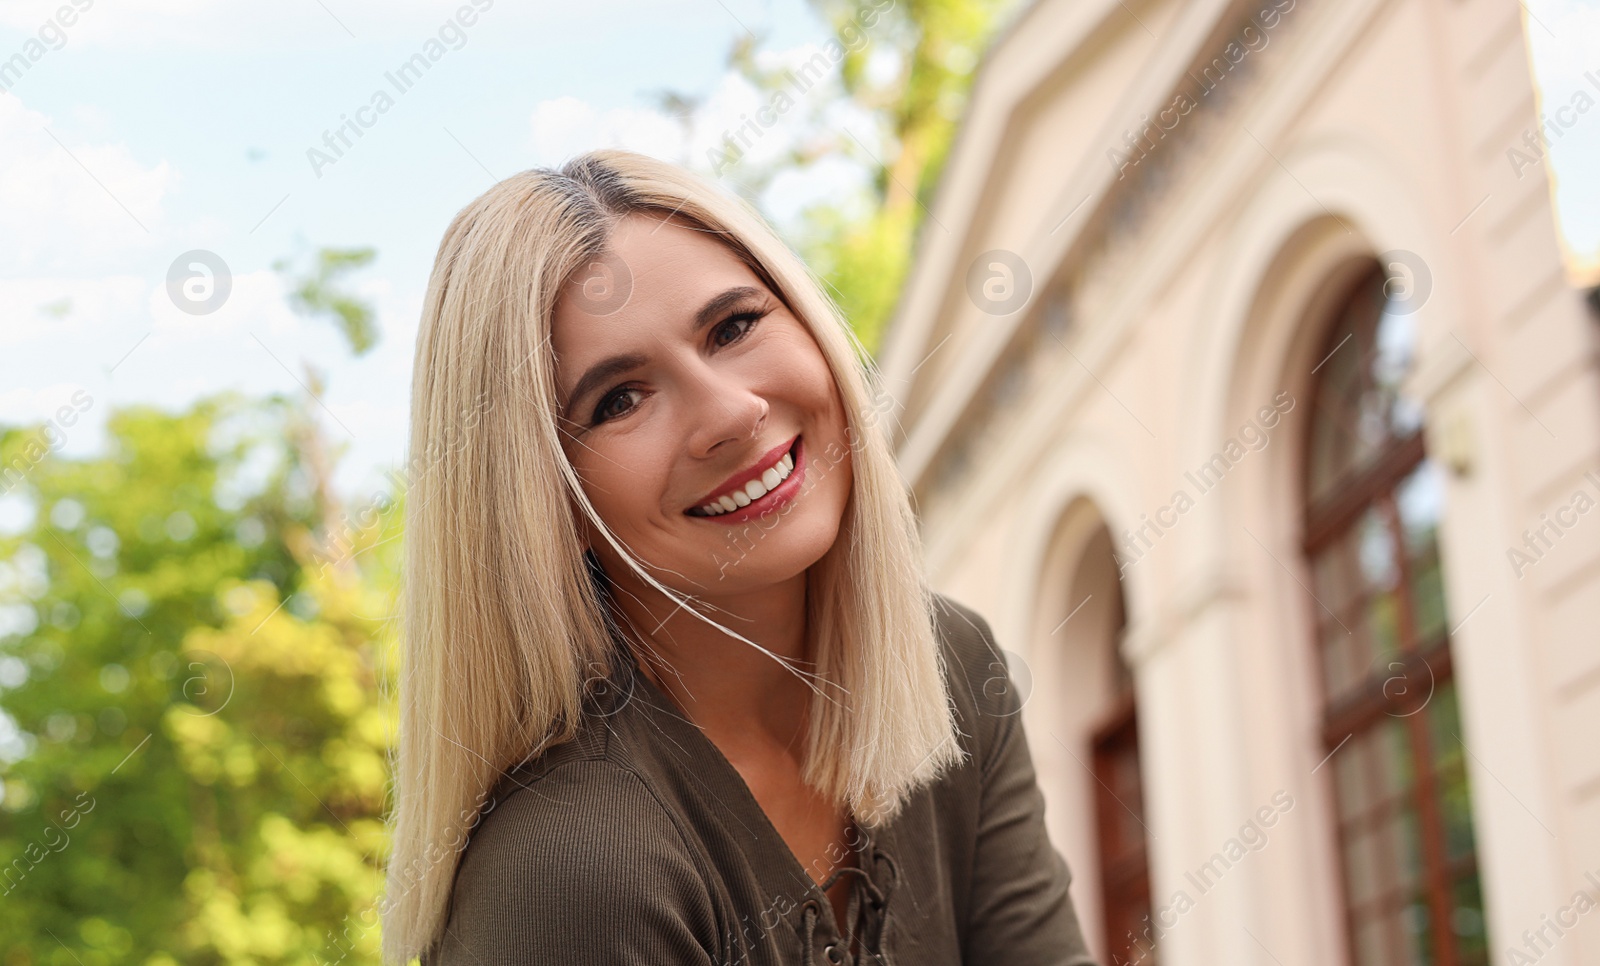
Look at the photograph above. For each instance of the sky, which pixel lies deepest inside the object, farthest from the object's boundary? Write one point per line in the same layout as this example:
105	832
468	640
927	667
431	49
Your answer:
152	129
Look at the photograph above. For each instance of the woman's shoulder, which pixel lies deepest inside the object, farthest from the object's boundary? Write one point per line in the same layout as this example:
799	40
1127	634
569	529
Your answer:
568	849
976	663
988	701
556	823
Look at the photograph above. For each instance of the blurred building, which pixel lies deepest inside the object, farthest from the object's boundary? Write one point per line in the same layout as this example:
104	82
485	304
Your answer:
1244	390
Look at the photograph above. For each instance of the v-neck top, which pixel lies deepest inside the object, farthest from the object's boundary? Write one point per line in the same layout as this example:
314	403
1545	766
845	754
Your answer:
638	842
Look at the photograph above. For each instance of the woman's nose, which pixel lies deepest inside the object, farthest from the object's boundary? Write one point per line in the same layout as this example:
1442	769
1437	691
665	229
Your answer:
723	408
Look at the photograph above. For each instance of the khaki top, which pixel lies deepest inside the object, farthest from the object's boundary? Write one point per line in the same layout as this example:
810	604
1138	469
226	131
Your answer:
639	843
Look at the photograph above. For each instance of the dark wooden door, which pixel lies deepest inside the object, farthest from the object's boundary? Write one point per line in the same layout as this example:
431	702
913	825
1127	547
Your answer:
1124	860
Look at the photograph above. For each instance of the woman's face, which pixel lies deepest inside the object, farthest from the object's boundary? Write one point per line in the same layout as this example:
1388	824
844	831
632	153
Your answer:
683	382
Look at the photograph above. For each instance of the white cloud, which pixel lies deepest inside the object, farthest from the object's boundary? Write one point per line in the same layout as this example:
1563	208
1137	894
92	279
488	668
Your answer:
54	407
25	405
49	309
205	23
224	25
566	126
763	125
67	207
255	304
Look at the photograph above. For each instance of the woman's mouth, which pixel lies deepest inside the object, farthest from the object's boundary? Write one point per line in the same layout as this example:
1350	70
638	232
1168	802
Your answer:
775	487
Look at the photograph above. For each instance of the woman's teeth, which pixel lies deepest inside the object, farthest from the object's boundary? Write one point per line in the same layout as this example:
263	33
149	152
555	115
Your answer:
753	490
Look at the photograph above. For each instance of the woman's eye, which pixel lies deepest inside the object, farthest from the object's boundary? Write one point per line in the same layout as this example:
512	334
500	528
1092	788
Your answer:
736	326
738	332
606	408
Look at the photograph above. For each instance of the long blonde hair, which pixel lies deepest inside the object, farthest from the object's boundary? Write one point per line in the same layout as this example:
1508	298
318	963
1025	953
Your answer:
503	625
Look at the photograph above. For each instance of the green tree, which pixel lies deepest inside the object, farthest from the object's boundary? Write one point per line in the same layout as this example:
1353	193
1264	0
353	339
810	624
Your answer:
865	257
863	248
195	770
316	292
196	667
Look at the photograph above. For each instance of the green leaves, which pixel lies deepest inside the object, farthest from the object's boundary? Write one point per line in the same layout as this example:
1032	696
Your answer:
316	291
864	254
218	700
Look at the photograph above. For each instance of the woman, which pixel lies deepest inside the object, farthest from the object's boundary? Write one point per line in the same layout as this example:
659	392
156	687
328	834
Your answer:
675	691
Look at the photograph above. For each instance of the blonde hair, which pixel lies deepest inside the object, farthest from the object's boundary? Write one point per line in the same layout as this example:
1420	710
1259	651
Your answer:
505	625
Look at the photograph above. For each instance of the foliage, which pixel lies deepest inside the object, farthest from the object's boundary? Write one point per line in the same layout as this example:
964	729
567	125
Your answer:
316	292
938	43
863	250
193	758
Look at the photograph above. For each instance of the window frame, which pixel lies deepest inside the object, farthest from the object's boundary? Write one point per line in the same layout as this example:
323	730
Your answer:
1361	709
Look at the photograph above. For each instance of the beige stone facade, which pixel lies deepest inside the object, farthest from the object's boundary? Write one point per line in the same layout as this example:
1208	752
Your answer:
1132	254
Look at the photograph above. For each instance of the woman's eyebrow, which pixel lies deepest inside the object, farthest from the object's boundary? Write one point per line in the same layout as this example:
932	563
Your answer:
602	372
718	304
613	366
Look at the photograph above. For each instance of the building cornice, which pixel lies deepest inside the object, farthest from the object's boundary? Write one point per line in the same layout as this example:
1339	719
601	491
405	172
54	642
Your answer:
1064	225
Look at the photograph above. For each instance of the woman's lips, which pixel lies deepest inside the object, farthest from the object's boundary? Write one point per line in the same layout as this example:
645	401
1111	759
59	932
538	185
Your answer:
738	481
774	499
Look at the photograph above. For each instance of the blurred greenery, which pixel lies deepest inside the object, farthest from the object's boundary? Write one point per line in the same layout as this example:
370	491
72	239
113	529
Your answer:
939	43
315	292
184	662
863	248
196	692
196	644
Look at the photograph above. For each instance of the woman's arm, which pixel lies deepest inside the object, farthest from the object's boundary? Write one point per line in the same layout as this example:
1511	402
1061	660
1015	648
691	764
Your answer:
1021	913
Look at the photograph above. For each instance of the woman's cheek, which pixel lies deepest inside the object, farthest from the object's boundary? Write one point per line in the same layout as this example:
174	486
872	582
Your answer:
629	473
819	381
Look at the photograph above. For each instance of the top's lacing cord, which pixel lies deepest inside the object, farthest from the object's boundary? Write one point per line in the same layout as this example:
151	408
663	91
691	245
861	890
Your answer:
809	917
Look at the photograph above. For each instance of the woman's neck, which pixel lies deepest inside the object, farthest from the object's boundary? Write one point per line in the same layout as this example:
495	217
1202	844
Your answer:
744	699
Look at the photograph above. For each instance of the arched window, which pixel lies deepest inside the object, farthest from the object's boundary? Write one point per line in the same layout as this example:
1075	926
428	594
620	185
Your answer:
1390	723
1080	632
1120	832
1131	931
